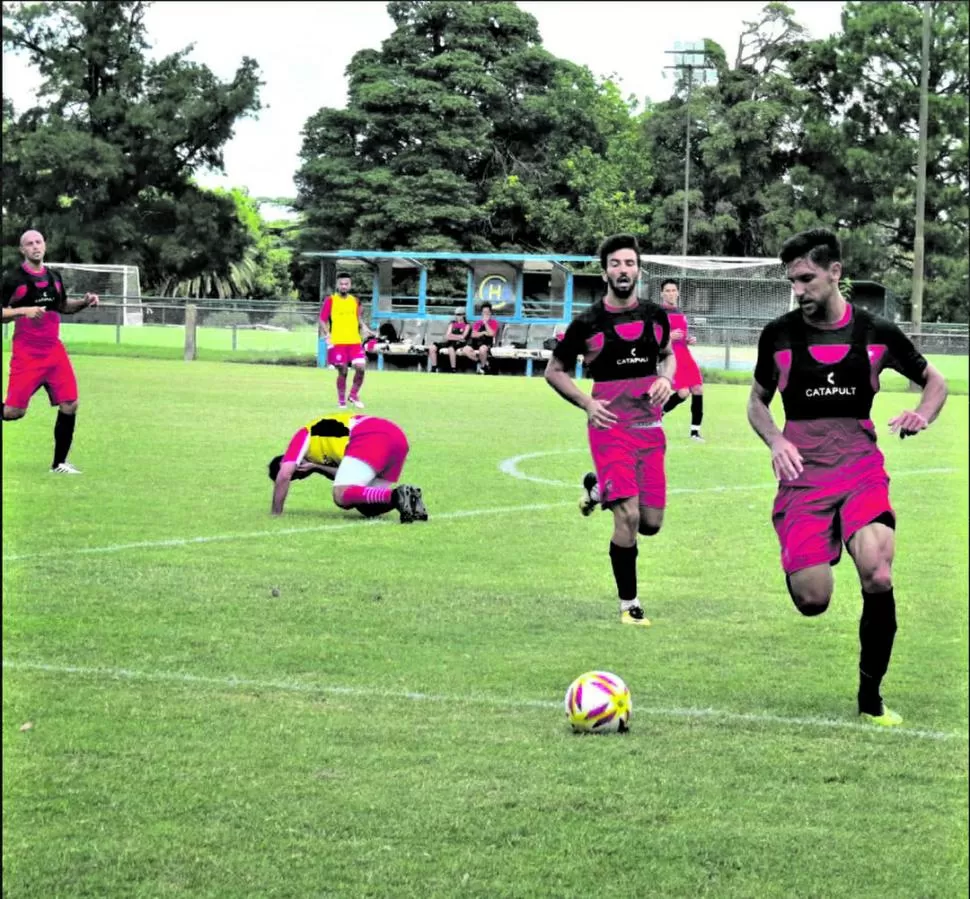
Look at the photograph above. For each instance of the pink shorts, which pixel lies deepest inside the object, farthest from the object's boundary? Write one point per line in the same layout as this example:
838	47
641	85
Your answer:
629	461
345	354
687	373
28	373
812	523
381	444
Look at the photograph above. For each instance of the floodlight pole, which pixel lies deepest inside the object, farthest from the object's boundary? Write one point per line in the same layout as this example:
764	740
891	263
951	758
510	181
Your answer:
919	243
690	67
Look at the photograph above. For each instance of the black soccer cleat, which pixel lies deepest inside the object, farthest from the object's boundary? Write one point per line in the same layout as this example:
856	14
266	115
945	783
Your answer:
417	505
408	502
586	502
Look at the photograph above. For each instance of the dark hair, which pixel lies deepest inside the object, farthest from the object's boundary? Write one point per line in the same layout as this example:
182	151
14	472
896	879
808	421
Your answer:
274	467
667	281
274	470
342	275
618	242
486	303
820	245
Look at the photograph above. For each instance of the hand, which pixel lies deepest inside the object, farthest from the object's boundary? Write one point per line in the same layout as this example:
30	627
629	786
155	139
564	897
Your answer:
660	391
786	460
599	415
691	340
33	312
91	299
908	424
676	334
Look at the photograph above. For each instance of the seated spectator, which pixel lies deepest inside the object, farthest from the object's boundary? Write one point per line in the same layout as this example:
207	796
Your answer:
455	339
483	335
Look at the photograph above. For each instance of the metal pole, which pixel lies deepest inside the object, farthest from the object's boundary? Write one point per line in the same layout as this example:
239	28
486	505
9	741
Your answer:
690	82
919	240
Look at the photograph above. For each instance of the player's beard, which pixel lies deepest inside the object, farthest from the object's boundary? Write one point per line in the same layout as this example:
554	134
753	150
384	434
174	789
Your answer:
622	292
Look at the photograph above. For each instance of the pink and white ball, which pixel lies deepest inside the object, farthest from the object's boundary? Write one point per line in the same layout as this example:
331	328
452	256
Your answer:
598	702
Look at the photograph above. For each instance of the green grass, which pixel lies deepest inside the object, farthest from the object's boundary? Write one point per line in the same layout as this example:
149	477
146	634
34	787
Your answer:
390	724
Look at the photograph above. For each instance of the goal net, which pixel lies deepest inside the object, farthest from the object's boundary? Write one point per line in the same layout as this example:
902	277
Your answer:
721	291
116	285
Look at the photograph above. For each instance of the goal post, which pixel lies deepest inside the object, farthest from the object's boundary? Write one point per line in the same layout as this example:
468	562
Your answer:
117	284
723	291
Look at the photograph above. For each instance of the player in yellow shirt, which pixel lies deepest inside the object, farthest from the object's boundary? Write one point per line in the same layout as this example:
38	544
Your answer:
363	456
342	326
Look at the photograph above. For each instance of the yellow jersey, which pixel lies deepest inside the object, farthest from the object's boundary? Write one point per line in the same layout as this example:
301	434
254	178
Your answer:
329	437
343	314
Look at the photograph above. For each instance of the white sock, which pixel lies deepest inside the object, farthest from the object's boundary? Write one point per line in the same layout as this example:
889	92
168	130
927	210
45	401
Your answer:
594	494
627	604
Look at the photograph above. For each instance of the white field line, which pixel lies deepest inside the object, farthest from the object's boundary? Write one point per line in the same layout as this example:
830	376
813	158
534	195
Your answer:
231	683
255	535
507	466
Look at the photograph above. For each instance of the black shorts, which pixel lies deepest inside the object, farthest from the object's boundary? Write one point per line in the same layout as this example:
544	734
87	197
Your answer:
444	344
486	340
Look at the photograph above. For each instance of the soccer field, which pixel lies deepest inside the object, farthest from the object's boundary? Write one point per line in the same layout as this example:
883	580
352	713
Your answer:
391	724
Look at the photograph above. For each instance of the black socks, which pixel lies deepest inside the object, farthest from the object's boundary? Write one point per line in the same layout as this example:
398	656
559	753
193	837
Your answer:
63	437
624	561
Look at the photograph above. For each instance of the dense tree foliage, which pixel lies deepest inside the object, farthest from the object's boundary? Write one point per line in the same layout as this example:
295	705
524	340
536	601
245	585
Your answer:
461	132
104	164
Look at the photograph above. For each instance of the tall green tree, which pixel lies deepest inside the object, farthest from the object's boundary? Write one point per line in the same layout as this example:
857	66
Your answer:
104	163
261	273
463	133
858	155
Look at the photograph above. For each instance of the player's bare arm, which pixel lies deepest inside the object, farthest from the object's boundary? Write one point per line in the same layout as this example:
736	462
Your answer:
328	471
596	410
912	421
10	313
786	460
70	307
662	388
282	486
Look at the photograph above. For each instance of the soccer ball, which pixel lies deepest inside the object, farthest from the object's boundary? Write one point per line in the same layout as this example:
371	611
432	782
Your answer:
598	702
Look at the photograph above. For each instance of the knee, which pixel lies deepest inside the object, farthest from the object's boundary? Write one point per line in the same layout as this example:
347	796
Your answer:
626	521
878	579
68	408
810	599
11	413
648	530
338	497
683	393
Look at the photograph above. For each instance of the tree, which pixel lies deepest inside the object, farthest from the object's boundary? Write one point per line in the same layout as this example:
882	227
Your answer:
263	270
859	154
104	166
463	133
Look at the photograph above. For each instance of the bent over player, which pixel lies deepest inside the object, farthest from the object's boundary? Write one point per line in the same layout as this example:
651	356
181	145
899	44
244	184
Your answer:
625	342
34	296
824	358
363	456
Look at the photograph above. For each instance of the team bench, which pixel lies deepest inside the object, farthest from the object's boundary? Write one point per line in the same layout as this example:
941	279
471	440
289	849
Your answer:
519	349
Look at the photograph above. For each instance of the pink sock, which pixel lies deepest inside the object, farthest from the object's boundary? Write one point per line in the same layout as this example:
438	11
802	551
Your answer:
366	496
341	387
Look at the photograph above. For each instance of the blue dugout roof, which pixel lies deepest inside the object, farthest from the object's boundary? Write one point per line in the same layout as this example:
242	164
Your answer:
537	262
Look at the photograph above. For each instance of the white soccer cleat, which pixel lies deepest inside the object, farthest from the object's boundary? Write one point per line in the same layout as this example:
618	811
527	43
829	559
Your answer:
357	404
64	468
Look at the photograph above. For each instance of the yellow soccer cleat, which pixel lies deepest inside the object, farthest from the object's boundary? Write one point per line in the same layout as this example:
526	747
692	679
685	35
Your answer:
634	616
888	718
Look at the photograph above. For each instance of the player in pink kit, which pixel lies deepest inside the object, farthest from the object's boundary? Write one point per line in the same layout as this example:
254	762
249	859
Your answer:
824	358
625	342
688	380
34	296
